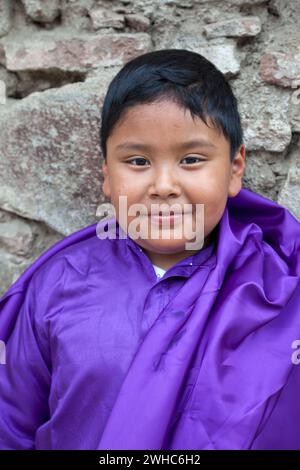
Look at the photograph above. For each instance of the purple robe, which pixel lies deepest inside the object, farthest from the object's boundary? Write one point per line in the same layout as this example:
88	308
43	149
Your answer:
100	354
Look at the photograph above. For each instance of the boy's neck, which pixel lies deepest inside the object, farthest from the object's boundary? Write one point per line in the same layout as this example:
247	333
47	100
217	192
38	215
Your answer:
167	260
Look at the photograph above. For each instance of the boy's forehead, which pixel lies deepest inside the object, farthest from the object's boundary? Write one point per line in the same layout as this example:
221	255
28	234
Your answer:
158	111
157	123
161	118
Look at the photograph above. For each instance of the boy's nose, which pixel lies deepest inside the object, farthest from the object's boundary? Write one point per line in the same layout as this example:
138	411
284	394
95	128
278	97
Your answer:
165	184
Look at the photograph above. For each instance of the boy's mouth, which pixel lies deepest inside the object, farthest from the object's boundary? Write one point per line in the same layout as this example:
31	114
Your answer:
171	217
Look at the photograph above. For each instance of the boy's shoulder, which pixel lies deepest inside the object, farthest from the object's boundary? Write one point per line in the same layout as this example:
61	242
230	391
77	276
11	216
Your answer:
43	282
80	251
81	255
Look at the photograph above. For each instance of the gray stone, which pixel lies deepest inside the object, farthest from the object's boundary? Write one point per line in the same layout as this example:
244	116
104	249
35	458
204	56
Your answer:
272	134
79	54
243	26
223	56
139	23
42	11
10	81
294	111
259	176
5	17
290	193
281	69
2	54
21	242
106	18
246	2
16	236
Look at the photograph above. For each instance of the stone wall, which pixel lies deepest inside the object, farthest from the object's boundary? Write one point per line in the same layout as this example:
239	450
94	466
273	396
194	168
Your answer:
57	58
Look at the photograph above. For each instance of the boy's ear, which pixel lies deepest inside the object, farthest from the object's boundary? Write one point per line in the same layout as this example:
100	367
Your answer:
238	166
105	184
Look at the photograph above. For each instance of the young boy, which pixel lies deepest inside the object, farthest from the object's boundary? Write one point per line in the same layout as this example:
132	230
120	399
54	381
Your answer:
139	340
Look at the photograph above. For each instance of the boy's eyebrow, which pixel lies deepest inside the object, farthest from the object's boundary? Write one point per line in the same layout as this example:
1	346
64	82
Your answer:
182	145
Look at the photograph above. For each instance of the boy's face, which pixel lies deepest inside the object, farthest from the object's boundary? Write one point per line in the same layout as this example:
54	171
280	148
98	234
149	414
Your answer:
164	171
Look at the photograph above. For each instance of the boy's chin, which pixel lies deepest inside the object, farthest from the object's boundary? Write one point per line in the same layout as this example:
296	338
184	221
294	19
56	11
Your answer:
168	247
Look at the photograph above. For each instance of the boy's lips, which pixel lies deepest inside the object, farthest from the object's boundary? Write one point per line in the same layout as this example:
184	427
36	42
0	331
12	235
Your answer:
171	217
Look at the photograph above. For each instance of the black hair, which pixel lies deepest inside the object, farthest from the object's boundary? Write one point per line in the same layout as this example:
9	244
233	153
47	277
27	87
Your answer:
183	76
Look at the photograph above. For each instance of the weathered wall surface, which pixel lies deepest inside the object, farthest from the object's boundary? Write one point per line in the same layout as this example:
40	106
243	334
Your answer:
56	60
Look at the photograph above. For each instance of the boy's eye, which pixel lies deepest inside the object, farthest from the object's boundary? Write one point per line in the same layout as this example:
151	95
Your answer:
141	161
194	159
